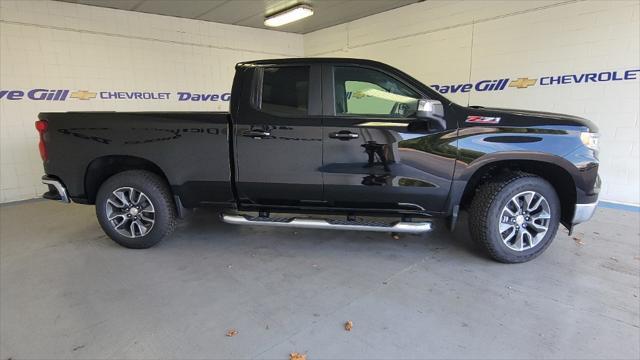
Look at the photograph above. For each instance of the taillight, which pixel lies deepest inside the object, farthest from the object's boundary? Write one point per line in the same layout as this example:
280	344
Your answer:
42	126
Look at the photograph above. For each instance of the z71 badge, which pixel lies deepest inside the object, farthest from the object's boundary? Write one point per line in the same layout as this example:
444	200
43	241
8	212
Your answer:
482	119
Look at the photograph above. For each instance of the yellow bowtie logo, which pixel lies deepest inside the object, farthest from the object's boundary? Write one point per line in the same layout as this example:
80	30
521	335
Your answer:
83	95
522	83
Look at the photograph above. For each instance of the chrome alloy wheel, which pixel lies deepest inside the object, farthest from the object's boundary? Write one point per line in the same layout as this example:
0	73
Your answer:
130	212
524	221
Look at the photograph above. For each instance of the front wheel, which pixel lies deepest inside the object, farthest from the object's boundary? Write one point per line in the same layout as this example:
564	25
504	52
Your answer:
515	217
135	209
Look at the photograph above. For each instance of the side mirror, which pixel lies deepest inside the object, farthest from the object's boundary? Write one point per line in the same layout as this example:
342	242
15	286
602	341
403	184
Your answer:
430	109
431	112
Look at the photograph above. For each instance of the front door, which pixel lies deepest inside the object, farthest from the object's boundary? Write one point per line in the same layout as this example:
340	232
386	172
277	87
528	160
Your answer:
377	153
278	137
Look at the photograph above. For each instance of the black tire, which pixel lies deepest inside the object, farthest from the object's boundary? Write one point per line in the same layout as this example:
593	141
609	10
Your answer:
486	209
157	193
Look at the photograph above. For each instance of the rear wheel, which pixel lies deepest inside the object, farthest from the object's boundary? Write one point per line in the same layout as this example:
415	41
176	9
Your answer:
515	217
135	209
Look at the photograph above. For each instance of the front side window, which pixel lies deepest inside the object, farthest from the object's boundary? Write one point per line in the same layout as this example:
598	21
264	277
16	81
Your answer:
285	90
361	91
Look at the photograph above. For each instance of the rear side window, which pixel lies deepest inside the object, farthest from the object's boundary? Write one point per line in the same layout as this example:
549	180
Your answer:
285	90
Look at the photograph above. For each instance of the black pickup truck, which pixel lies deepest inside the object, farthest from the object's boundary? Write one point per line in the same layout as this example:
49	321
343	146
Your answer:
330	144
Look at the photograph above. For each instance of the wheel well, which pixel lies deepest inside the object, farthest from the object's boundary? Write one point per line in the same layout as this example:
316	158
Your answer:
104	167
558	177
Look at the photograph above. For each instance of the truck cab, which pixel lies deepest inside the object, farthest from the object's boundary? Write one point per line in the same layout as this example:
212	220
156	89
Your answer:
341	135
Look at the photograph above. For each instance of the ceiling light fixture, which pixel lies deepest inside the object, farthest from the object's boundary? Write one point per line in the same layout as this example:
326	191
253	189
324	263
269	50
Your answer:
289	15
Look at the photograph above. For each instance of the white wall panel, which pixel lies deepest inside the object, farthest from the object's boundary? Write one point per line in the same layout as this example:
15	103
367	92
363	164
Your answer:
56	45
456	42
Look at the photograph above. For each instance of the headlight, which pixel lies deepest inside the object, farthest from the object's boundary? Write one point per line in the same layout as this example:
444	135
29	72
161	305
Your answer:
590	140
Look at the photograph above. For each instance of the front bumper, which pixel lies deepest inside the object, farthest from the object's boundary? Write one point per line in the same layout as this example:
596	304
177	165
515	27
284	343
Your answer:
57	191
583	212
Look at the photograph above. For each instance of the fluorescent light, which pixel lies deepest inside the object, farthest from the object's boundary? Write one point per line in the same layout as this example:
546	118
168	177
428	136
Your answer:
290	15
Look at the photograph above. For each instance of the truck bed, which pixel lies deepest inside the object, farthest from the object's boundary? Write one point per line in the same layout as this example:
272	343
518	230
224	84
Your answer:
190	149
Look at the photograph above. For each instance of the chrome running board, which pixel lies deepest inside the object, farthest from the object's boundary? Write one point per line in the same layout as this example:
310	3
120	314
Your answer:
397	227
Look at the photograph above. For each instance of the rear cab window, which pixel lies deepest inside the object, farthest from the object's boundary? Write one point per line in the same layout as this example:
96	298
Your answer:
284	90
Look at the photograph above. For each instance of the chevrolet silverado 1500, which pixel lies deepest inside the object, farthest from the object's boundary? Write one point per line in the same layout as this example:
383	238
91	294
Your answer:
334	144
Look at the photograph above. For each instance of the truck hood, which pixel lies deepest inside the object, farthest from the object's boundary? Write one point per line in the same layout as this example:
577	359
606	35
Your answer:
517	117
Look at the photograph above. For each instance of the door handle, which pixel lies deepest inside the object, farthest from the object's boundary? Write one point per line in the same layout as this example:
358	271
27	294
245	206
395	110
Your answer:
343	135
256	134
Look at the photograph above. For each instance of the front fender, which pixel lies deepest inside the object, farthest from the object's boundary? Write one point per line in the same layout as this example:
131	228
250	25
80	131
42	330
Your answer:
480	148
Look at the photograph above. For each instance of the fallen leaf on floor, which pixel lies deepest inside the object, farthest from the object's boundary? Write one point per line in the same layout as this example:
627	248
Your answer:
614	258
395	236
232	332
348	325
297	356
578	241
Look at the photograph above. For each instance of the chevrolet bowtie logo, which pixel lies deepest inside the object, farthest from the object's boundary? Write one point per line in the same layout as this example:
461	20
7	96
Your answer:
522	83
86	95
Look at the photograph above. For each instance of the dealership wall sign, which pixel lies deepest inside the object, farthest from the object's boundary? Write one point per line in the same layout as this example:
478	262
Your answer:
552	80
501	84
38	94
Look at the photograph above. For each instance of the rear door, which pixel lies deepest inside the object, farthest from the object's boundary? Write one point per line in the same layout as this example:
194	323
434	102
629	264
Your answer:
278	136
377	153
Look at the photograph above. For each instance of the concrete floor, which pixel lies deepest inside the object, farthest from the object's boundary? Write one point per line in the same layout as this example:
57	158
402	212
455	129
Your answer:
67	291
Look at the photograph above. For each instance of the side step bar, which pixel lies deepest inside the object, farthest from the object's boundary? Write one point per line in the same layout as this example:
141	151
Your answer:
397	227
